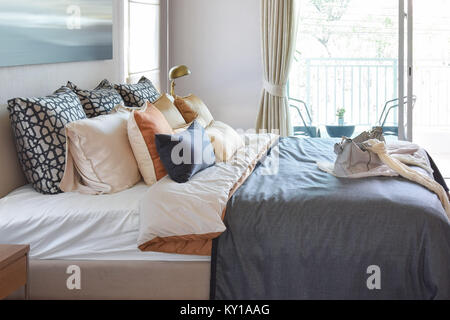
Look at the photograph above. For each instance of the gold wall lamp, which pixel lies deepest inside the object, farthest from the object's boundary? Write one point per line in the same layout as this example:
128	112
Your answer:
175	73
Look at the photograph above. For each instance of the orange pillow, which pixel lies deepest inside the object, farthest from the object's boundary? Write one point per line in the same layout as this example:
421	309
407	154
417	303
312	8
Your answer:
188	114
143	125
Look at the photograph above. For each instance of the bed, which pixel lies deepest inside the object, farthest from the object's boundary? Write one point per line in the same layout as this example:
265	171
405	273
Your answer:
296	234
305	234
120	272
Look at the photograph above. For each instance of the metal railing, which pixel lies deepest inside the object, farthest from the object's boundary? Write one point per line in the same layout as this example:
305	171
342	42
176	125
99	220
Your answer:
361	86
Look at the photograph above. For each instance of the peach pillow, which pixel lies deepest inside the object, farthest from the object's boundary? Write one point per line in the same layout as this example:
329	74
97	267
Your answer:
194	104
143	125
188	114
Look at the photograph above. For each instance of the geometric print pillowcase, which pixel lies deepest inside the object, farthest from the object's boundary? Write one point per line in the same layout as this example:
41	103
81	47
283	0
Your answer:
100	101
135	95
39	130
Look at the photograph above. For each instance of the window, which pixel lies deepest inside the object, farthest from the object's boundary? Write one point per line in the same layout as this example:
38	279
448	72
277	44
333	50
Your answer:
346	58
143	37
142	40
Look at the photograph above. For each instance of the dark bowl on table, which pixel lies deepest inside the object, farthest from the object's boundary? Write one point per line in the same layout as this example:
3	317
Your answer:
341	131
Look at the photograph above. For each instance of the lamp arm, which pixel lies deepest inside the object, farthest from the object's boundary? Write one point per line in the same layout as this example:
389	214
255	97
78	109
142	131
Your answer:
172	89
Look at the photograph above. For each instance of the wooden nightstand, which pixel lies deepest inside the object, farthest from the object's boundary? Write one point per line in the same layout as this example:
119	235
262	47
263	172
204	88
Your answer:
13	269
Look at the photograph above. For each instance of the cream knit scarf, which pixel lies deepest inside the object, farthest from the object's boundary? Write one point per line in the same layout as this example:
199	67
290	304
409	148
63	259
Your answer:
395	159
406	172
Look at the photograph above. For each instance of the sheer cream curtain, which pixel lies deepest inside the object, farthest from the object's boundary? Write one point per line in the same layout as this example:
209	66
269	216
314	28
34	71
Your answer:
279	32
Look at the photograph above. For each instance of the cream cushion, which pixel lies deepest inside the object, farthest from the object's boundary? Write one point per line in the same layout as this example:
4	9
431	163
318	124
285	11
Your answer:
205	117
99	156
170	111
183	128
225	140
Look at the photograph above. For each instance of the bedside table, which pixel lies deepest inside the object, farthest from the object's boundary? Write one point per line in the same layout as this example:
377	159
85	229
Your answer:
13	269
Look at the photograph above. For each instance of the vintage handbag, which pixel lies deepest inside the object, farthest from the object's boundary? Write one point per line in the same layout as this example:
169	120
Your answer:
353	157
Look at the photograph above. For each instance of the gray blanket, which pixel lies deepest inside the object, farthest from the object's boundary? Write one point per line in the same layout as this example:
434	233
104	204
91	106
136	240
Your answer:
304	234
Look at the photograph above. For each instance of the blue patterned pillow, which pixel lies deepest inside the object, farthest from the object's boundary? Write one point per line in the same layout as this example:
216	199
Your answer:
100	101
39	130
185	154
135	95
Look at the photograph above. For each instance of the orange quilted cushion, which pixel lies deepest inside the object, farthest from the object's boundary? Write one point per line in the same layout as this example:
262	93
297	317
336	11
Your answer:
150	122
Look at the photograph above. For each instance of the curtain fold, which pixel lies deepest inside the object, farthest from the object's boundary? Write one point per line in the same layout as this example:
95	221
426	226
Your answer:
279	32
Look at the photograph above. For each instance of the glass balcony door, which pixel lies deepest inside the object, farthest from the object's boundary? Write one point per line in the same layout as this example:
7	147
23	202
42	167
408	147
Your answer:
385	62
347	57
431	49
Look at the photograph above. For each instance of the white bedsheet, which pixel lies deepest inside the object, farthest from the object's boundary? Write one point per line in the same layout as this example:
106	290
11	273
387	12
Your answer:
72	226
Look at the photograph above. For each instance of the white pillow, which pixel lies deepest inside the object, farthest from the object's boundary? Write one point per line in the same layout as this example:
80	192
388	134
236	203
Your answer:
225	140
99	157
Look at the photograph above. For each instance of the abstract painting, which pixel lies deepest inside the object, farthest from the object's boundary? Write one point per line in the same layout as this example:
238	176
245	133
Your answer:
51	31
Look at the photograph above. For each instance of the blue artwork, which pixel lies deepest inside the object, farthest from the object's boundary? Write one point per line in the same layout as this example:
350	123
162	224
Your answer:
51	31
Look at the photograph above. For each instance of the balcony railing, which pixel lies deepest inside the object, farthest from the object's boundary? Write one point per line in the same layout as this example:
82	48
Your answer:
361	86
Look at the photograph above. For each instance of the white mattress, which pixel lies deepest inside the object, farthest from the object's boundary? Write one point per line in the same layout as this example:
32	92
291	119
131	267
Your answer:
72	226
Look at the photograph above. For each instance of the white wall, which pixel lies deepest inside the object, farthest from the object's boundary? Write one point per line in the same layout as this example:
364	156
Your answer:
39	80
220	42
218	39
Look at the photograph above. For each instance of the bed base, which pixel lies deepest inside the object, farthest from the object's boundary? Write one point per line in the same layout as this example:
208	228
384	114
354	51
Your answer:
119	280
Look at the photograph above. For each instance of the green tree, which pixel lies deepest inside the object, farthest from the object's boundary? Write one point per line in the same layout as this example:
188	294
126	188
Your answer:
330	11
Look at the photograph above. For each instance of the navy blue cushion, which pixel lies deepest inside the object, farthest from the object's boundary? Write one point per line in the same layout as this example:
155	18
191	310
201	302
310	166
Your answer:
186	153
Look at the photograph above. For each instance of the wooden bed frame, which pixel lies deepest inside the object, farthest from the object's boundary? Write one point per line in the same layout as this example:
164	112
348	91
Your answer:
100	279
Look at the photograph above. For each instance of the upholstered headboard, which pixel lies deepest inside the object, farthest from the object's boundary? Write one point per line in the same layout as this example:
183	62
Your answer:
11	176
